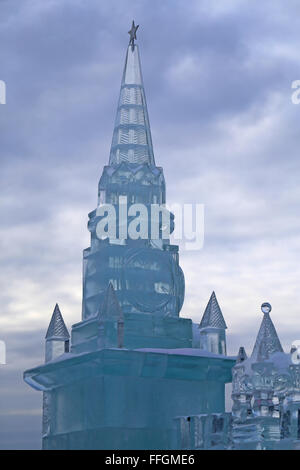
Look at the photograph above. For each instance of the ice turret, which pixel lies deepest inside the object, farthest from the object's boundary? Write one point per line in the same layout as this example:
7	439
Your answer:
212	328
57	336
267	341
241	397
111	321
110	308
242	355
258	389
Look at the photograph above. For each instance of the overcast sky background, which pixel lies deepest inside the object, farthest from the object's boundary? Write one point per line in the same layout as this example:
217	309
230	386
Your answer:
218	80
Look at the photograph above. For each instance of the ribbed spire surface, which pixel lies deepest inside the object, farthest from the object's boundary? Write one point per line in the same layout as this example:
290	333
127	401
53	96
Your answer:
57	327
132	142
267	341
213	316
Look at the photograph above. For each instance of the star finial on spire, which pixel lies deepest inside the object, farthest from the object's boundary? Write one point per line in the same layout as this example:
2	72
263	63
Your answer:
132	33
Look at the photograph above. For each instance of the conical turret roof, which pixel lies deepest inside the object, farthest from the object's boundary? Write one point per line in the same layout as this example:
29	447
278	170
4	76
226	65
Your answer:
111	307
267	341
57	328
132	142
213	316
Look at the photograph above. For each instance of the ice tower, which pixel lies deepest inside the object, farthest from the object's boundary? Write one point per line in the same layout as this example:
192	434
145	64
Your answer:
133	364
145	273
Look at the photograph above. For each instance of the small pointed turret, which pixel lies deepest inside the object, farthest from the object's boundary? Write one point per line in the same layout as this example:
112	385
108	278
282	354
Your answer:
57	328
132	142
111	320
57	336
213	316
267	341
212	328
111	308
242	355
241	408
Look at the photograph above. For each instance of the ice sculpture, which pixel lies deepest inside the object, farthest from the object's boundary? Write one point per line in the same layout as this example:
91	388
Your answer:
131	368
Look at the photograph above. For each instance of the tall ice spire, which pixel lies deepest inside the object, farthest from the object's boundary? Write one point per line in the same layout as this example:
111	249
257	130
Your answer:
132	142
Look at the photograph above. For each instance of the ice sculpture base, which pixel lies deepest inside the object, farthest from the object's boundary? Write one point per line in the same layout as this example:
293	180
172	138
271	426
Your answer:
128	399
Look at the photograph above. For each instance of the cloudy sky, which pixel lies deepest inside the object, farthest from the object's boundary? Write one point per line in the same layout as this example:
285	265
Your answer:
218	78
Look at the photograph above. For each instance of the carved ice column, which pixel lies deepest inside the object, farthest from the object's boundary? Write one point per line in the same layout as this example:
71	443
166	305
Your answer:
264	412
290	423
241	392
244	430
57	344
